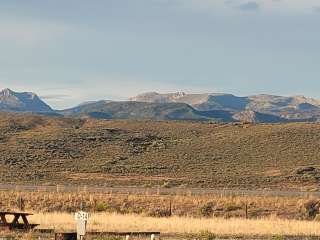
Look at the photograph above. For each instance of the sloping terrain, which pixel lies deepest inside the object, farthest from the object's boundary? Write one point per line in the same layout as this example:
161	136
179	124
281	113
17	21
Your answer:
177	106
256	117
164	111
296	108
135	110
38	149
22	102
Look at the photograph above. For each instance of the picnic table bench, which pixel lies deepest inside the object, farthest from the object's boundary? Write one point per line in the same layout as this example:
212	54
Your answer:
127	235
14	224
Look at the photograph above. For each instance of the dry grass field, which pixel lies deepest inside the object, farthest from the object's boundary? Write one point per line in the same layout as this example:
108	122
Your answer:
44	150
197	206
203	217
182	225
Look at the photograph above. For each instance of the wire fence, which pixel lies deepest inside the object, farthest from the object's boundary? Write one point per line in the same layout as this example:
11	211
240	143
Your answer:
156	190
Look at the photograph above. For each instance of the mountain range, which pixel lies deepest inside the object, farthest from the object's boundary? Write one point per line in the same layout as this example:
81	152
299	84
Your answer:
178	106
22	102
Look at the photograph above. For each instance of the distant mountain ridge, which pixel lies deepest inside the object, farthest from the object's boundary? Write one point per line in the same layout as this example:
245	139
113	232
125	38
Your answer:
135	110
178	106
222	100
22	102
293	108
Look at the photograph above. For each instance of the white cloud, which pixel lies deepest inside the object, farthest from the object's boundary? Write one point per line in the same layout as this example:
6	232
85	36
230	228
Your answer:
249	6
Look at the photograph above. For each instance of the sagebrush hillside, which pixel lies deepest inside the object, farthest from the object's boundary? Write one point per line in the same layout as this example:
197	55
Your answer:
39	149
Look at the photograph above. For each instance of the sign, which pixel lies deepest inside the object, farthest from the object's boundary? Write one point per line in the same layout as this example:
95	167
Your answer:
81	228
82	219
81	216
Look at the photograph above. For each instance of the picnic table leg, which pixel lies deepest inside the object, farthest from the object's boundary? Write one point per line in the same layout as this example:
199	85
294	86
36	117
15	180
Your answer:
3	219
25	221
15	220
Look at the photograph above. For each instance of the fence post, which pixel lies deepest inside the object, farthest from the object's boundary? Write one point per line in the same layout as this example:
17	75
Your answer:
246	210
21	203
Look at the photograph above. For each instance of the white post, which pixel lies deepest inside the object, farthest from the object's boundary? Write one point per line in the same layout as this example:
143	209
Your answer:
81	218
153	237
127	237
81	229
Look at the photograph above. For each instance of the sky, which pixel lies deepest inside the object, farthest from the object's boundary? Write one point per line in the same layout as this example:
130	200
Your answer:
71	51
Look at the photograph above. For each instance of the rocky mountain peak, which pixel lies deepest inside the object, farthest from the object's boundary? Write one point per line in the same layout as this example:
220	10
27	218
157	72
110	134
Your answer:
179	94
22	102
7	92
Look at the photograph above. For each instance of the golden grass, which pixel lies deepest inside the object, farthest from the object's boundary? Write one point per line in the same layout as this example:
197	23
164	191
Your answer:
182	225
147	204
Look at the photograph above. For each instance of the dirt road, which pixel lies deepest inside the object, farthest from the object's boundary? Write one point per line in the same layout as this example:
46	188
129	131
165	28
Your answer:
166	191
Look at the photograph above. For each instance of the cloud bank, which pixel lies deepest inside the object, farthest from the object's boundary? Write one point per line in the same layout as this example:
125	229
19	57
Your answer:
249	6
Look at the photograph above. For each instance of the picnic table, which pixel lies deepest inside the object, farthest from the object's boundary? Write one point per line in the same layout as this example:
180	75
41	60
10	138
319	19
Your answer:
15	224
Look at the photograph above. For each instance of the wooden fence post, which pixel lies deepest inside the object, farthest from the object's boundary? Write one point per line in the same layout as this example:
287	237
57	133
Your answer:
21	203
246	210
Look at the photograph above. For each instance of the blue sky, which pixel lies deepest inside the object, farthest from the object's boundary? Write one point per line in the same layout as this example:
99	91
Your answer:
69	51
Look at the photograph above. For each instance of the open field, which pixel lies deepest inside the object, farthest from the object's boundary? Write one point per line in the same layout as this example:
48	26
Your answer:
182	225
178	161
43	150
158	205
177	216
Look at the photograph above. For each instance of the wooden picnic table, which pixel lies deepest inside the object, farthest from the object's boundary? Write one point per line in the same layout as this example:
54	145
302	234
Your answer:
14	224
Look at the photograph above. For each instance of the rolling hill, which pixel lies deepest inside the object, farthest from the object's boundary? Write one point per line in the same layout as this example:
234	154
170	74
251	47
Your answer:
57	150
164	111
135	110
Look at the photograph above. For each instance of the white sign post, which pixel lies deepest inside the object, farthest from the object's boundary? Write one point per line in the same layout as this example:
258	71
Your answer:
82	219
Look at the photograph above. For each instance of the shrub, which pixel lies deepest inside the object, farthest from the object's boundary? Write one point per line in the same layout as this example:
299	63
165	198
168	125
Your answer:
206	235
311	208
207	209
231	207
101	207
159	213
278	237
